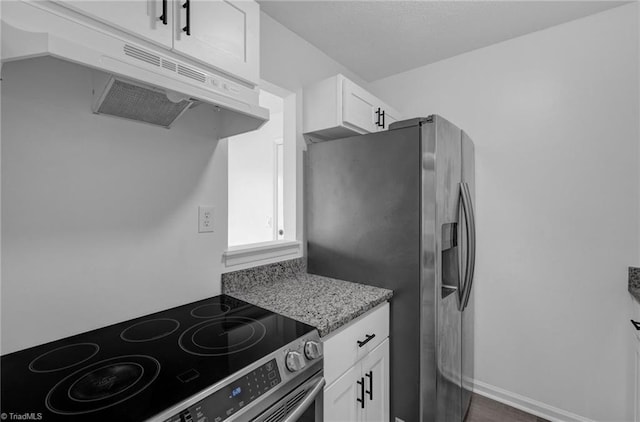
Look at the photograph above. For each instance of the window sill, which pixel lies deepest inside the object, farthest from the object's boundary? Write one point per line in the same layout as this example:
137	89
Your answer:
246	256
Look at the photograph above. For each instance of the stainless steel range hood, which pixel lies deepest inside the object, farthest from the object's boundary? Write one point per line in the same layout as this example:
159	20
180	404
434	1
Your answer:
142	82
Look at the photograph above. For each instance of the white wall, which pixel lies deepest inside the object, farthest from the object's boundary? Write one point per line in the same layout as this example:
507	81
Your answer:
99	215
292	63
554	116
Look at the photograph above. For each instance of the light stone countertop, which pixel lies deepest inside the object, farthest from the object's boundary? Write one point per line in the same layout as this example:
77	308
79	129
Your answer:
286	288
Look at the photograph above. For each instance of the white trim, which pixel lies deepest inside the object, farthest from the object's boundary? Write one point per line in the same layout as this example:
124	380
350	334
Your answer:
246	256
35	29
292	189
526	404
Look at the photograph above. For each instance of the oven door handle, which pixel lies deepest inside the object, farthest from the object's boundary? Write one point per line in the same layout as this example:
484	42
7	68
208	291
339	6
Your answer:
304	404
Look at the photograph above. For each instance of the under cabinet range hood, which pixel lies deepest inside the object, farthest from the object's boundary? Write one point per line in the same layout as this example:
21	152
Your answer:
133	79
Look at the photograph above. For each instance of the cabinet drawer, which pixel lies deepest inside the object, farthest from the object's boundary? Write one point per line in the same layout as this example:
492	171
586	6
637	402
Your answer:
341	348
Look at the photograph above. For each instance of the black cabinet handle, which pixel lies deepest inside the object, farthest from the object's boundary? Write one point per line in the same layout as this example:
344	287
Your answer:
187	28
370	392
366	340
163	17
380	117
636	324
358	399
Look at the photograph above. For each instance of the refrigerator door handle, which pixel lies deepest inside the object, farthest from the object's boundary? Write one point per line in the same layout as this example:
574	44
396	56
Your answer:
470	225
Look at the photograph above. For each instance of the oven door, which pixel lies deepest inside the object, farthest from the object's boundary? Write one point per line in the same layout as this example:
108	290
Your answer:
302	404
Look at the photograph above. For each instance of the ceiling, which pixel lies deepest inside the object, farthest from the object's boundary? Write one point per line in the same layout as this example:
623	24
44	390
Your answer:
376	39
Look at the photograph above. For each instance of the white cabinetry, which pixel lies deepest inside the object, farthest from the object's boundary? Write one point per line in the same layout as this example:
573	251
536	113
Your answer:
636	347
341	397
337	107
636	403
223	34
357	370
359	108
375	371
141	18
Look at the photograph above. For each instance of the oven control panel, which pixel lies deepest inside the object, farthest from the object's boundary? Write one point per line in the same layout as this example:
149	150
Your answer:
233	397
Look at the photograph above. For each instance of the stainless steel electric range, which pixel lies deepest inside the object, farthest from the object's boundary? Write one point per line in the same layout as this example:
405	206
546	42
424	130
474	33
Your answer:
219	359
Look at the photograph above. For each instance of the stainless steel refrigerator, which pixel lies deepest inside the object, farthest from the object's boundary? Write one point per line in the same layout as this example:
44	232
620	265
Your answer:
394	209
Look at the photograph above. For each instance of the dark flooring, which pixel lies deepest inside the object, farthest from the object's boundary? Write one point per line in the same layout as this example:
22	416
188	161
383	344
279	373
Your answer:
483	409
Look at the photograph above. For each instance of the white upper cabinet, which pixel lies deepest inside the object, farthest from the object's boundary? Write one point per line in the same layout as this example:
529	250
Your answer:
389	116
338	107
145	19
218	33
359	108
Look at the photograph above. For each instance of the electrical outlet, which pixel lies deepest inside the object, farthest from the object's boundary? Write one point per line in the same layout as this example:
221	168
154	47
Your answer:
205	219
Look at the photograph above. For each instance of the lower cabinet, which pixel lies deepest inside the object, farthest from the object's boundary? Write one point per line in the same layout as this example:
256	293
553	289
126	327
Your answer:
636	404
362	393
375	369
636	355
341	397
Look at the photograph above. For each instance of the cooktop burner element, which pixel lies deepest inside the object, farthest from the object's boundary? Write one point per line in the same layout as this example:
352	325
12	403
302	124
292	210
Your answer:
137	370
103	384
64	357
224	336
213	309
106	382
152	329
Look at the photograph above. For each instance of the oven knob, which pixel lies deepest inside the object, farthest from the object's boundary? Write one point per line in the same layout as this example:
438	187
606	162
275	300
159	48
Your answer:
294	361
312	350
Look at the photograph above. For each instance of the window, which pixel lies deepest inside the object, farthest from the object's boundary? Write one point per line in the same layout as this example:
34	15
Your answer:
255	179
262	187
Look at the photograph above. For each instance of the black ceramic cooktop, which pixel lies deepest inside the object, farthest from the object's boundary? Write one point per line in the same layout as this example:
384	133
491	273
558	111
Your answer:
133	370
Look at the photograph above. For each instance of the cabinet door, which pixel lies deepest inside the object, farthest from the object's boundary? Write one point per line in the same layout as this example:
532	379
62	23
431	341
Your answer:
341	398
222	33
358	108
389	117
141	18
375	369
636	399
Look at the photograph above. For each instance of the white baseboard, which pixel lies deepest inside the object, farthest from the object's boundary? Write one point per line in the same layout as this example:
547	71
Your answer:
526	404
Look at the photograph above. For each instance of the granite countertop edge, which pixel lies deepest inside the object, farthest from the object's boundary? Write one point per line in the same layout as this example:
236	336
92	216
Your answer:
321	302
